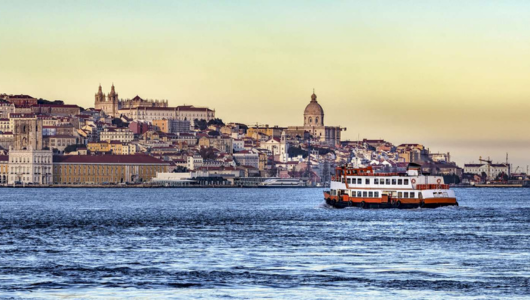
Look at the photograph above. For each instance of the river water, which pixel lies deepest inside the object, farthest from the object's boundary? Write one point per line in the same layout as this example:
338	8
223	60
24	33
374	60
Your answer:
258	243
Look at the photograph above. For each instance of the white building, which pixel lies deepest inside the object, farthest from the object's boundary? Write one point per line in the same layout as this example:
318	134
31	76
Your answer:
492	171
238	145
278	147
123	135
195	162
247	158
183	113
30	166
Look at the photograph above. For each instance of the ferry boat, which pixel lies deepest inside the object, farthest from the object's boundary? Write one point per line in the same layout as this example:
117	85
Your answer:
282	182
362	187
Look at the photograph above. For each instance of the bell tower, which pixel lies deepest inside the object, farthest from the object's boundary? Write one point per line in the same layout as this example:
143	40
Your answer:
112	99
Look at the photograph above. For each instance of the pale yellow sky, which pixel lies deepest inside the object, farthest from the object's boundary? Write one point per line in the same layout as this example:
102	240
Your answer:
449	75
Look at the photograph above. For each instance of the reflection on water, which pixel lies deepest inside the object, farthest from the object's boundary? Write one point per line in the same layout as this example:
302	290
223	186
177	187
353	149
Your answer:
254	243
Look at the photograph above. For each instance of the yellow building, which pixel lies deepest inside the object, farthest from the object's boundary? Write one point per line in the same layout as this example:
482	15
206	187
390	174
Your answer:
163	125
98	147
106	169
273	132
4	166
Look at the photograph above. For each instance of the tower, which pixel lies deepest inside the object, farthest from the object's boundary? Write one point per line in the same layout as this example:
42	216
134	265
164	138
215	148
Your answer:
100	98
313	113
28	134
284	147
112	99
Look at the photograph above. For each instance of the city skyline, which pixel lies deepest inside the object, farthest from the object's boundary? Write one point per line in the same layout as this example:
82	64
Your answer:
448	75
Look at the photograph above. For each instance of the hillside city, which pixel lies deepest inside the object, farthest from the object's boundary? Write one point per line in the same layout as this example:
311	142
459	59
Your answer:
144	141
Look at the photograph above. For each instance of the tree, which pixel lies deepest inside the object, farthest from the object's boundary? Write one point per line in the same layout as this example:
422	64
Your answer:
119	123
295	151
200	124
180	169
71	148
213	133
207	153
216	121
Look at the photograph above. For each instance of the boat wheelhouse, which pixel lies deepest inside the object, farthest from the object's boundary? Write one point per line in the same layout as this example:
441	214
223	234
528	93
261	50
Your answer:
362	187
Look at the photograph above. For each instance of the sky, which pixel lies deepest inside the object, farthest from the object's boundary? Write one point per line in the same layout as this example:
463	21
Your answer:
452	75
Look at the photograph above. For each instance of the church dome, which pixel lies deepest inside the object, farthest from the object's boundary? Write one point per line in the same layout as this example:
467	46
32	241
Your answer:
313	108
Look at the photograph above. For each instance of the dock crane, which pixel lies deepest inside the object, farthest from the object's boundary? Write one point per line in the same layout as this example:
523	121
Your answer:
488	161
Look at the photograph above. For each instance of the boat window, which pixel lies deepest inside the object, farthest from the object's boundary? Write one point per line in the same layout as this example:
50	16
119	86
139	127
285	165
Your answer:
400	181
406	181
359	194
359	181
376	181
364	194
411	195
349	180
371	194
376	194
353	180
393	182
400	195
406	195
367	181
342	179
387	182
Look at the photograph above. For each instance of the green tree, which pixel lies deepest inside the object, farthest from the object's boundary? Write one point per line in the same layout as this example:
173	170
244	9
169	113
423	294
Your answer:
207	153
200	124
216	121
180	169
71	148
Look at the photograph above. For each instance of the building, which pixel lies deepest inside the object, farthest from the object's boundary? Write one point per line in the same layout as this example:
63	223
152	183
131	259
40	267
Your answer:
56	110
194	162
192	113
28	162
491	171
272	132
108	104
106	169
314	124
247	158
20	100
221	143
172	125
4	169
60	142
6	108
149	114
137	102
123	135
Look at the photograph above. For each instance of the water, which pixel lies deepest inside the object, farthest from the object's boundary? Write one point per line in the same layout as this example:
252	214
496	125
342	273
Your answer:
258	243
